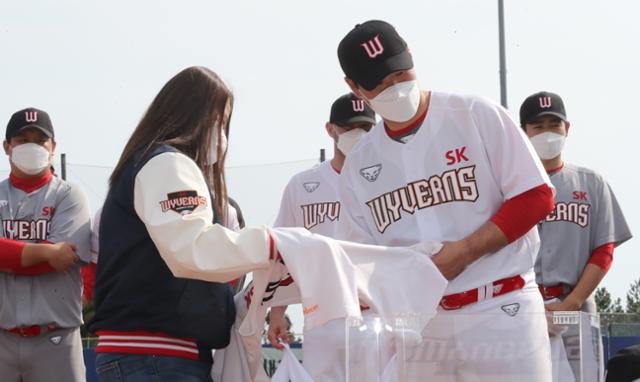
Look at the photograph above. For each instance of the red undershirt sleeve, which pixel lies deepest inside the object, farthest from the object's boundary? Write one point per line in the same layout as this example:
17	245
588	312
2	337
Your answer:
602	256
522	212
10	253
34	270
88	280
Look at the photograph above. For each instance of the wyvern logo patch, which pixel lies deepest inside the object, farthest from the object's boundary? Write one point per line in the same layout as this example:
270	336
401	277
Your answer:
56	340
311	186
371	173
511	309
183	202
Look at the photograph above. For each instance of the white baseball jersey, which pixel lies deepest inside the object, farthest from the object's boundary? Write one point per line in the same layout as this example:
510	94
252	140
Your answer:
467	158
343	274
310	200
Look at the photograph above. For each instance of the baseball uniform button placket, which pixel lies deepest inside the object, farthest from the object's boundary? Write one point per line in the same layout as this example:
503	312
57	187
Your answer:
497	288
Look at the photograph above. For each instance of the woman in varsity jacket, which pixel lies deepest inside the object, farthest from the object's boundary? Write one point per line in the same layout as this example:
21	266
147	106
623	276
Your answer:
162	295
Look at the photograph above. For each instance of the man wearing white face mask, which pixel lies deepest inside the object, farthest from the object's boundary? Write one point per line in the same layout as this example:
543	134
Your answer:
40	289
580	234
454	169
310	199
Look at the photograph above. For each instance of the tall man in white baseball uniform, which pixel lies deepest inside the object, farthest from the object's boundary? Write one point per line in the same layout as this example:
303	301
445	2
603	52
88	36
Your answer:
455	169
310	199
40	305
579	236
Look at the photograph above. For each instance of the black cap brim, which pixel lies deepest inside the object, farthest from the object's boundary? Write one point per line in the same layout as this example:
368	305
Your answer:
45	131
356	119
401	61
553	113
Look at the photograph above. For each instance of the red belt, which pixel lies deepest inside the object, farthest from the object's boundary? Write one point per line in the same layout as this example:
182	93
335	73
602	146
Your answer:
552	291
497	288
33	330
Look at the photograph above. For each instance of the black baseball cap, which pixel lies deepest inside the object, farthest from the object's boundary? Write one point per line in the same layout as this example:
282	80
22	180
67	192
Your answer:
539	104
349	109
29	117
372	51
625	365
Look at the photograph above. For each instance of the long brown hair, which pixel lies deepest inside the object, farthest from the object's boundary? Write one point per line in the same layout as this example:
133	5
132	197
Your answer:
183	115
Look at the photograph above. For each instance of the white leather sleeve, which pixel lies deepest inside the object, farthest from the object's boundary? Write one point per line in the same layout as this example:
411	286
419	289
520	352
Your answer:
172	199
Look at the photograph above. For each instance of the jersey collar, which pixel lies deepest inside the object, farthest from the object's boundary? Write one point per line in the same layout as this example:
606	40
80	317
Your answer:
412	128
555	170
29	185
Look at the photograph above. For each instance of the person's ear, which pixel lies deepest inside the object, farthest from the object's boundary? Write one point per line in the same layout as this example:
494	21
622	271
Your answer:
331	130
353	86
7	147
53	147
567	125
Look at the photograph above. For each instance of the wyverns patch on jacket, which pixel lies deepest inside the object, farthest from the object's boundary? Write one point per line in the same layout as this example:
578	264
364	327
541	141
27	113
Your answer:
183	202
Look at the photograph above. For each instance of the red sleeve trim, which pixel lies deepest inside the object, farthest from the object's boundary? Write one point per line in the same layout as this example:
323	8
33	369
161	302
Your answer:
602	256
88	280
522	212
11	253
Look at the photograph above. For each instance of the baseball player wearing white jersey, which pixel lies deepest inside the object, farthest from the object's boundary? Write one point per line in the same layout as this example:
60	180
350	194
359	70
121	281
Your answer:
40	282
578	237
455	169
310	199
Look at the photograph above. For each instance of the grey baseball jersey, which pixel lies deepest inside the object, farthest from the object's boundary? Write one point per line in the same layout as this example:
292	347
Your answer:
586	216
310	200
57	212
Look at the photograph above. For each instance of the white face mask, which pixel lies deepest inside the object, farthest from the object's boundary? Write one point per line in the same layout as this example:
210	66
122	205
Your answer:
30	158
548	145
213	148
348	139
399	102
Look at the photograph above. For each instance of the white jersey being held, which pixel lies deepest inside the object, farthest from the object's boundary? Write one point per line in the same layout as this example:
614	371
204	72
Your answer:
467	158
586	216
310	200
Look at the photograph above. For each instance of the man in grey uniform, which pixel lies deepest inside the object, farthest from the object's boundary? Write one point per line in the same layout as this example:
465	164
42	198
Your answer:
579	236
45	231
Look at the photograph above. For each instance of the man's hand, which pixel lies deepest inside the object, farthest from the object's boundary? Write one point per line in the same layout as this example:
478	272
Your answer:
568	305
278	327
61	255
452	259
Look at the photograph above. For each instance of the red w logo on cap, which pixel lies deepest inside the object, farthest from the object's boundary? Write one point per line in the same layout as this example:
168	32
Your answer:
31	116
373	47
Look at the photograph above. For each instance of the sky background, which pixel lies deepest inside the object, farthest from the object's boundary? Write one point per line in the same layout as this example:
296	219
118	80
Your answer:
96	66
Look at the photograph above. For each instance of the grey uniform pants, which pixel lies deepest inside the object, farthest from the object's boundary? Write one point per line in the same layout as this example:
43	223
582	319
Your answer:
54	356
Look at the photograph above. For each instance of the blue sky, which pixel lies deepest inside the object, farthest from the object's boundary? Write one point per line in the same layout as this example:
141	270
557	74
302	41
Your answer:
95	66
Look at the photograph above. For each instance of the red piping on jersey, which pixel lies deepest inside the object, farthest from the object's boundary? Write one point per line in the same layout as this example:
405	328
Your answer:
602	256
555	170
29	185
88	273
408	129
143	342
522	212
11	254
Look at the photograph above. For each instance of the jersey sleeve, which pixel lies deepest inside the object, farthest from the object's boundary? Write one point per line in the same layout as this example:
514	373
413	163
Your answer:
609	225
71	222
514	163
286	214
95	236
189	243
352	225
